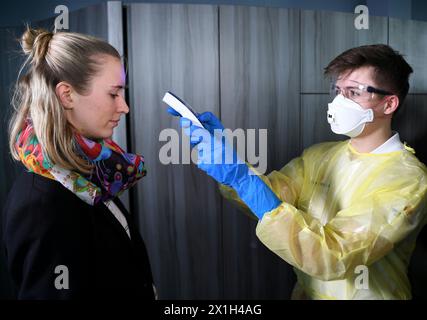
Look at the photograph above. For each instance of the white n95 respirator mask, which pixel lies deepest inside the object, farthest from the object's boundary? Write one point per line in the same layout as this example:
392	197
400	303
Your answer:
347	117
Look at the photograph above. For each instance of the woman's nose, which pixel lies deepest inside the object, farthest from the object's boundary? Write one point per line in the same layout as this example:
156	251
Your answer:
123	107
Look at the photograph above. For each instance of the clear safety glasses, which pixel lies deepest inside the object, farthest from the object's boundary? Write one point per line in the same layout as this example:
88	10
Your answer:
358	93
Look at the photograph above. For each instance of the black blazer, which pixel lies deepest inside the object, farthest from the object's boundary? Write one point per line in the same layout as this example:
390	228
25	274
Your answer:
45	225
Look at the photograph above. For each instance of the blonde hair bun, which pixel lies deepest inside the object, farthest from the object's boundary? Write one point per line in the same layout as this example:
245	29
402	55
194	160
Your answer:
35	42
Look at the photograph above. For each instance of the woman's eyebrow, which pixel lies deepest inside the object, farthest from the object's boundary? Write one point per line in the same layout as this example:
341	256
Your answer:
119	86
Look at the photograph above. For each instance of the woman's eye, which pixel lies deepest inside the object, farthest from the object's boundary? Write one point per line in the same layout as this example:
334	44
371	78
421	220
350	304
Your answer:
114	95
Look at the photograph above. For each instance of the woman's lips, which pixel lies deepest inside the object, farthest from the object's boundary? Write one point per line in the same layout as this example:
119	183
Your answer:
114	122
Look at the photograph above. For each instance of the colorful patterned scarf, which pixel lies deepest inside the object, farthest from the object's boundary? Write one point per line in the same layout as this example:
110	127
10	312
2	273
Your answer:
114	170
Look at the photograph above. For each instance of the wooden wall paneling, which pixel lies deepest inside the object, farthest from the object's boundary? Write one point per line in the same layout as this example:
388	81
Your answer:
409	37
175	47
410	123
260	84
91	20
324	35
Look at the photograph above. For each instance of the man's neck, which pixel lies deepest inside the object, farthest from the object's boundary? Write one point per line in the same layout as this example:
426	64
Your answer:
372	140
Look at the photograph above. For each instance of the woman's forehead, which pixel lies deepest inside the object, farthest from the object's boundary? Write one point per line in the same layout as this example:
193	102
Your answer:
112	72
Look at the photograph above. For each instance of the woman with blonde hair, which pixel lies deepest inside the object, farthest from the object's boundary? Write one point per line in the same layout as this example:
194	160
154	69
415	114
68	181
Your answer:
66	233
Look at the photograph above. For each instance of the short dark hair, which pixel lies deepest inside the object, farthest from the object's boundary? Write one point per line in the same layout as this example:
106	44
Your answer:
391	70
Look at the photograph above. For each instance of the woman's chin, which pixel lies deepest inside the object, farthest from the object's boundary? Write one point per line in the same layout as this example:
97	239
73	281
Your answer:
107	134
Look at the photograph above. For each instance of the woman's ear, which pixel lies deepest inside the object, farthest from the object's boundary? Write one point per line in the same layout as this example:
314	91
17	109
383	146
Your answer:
63	92
391	104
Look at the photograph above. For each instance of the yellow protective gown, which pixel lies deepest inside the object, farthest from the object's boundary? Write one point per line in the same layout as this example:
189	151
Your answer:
348	221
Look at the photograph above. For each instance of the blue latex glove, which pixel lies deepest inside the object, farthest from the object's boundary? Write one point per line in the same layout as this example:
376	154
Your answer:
219	160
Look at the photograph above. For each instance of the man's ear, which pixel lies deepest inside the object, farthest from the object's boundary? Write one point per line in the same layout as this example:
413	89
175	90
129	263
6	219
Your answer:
391	104
63	91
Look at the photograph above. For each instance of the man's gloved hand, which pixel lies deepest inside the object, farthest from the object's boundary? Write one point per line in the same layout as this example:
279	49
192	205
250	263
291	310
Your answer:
219	160
216	157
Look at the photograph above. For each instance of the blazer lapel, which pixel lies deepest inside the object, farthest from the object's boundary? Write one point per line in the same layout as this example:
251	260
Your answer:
113	220
129	217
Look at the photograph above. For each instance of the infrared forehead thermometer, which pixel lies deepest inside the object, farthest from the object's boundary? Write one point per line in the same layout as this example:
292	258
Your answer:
182	108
